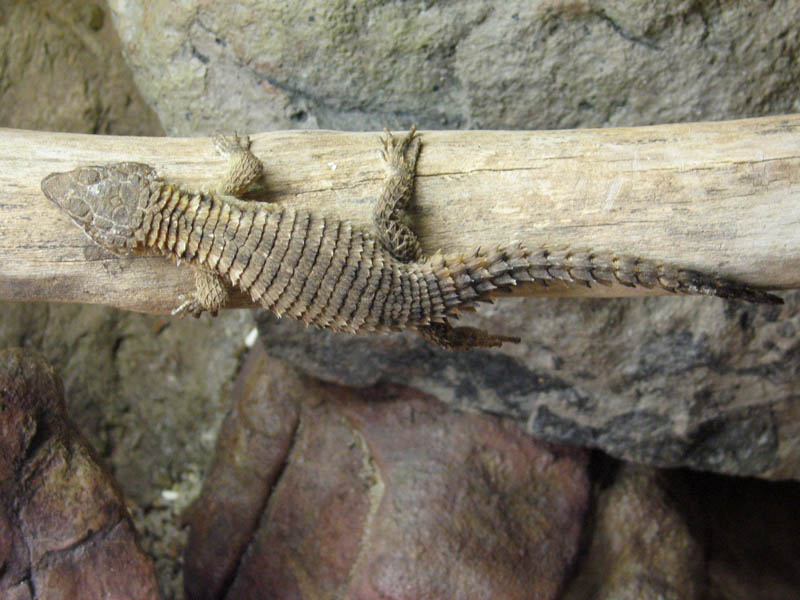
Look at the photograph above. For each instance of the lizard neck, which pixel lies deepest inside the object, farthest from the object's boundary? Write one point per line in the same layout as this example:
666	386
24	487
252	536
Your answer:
172	218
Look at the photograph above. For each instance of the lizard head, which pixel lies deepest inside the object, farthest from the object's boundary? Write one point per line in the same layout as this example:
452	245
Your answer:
106	202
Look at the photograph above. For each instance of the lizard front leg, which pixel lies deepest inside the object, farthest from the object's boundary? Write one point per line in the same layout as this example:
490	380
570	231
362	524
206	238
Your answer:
244	171
392	223
210	295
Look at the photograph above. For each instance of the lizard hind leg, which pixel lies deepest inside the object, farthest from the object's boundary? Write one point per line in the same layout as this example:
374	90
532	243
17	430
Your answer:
462	338
244	168
391	220
395	233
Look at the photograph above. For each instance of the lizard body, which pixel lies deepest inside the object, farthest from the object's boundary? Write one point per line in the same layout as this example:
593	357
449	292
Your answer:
325	272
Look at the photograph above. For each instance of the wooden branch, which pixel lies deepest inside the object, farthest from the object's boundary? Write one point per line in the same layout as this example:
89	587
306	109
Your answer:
718	197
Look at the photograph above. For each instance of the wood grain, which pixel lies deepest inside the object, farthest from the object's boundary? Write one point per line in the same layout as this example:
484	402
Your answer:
721	197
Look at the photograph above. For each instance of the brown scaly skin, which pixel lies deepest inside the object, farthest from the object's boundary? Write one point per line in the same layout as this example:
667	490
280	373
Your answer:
325	272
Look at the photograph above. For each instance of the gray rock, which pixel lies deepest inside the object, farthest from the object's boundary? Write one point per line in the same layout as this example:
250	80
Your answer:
477	64
63	71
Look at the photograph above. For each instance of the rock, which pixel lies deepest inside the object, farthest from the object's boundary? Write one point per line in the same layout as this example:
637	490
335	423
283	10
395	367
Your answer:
64	528
641	544
252	450
679	535
149	394
63	71
381	492
473	64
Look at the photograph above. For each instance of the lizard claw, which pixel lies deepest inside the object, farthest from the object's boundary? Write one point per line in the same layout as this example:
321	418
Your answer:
188	307
226	145
395	153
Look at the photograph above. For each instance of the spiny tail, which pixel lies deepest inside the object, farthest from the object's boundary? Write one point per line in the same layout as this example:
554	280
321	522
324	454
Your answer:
465	280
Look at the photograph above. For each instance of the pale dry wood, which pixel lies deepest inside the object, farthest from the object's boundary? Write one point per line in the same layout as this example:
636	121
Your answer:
723	198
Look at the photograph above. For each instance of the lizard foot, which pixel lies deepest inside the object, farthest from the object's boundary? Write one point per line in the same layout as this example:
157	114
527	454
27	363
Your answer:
396	155
392	222
210	295
463	338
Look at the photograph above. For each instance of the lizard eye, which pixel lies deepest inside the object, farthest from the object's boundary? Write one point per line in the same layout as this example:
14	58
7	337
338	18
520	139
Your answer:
88	176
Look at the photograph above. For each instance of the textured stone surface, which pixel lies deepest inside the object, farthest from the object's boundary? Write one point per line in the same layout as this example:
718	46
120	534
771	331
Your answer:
64	529
319	490
679	535
641	545
62	70
252	450
145	393
477	64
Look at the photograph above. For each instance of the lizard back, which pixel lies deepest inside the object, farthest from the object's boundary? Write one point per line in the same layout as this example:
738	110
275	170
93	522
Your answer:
324	272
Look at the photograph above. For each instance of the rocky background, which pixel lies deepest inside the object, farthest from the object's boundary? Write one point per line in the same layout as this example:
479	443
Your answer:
422	478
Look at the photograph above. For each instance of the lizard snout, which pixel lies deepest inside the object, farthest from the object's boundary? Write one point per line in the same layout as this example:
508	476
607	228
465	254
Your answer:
55	186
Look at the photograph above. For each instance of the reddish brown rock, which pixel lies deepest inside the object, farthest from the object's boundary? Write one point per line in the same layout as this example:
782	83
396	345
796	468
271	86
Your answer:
64	529
251	451
383	492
